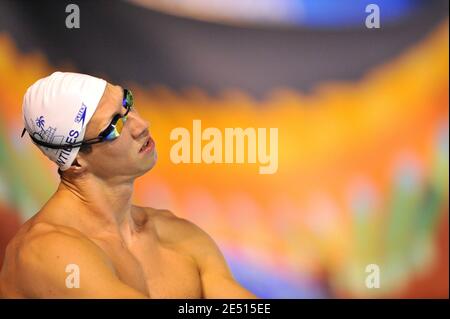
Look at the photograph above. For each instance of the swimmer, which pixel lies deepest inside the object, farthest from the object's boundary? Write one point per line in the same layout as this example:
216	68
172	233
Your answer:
94	133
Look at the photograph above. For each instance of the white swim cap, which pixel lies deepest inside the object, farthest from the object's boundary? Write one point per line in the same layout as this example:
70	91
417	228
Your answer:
57	109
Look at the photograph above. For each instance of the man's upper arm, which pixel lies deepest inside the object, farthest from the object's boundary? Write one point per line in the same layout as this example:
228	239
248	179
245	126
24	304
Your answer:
48	266
217	279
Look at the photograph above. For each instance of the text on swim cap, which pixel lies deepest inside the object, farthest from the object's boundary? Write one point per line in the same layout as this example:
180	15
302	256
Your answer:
65	152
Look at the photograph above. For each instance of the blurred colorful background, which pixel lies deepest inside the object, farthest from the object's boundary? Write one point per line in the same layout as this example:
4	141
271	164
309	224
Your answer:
362	116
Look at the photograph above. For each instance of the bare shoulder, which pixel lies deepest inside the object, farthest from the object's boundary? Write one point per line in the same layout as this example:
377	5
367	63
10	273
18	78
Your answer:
40	256
159	213
48	235
33	236
176	229
46	243
216	277
189	238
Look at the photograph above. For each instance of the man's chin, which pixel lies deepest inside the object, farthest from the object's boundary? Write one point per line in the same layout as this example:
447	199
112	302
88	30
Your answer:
151	160
143	165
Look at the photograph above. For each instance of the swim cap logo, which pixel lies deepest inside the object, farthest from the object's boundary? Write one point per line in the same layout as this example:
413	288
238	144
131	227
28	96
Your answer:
40	122
81	116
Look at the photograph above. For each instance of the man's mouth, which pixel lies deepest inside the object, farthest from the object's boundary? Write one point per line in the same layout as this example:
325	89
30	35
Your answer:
148	145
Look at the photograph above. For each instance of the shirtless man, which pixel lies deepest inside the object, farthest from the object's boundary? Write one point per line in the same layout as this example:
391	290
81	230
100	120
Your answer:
121	250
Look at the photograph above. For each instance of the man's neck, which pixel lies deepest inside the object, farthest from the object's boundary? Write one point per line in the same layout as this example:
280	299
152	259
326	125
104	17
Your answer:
96	206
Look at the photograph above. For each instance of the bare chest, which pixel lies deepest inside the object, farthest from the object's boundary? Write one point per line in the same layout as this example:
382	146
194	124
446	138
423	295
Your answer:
167	273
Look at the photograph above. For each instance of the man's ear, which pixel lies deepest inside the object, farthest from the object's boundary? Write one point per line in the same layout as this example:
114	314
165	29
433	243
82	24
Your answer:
77	168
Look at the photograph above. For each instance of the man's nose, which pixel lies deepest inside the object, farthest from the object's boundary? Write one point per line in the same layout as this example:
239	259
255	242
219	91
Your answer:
138	126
